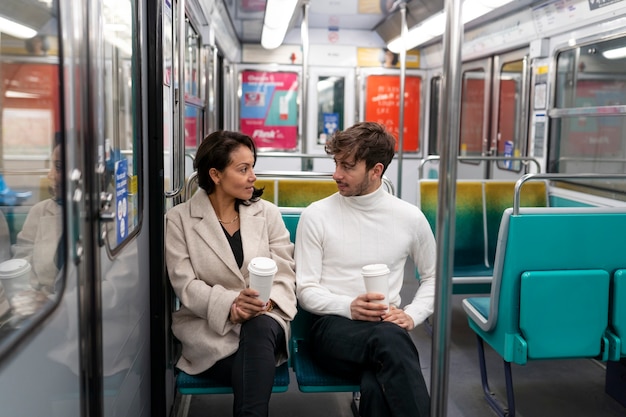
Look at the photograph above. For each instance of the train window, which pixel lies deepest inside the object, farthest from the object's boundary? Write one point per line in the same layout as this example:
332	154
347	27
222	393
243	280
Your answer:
433	126
589	114
121	124
330	106
510	113
382	105
192	63
472	113
31	168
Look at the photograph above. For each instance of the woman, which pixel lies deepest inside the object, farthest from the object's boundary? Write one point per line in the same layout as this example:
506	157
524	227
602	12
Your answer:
39	240
224	328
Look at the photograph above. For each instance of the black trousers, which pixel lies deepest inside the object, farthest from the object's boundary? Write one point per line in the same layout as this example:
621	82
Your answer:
382	355
251	369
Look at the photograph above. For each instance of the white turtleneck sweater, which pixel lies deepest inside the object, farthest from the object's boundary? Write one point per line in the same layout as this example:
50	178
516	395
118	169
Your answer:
338	235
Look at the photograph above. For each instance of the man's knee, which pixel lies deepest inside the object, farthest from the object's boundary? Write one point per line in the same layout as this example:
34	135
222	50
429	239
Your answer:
391	338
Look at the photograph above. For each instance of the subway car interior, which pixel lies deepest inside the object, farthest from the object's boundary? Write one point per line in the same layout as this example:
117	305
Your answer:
509	119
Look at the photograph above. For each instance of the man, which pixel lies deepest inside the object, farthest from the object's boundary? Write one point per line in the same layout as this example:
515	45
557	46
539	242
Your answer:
336	236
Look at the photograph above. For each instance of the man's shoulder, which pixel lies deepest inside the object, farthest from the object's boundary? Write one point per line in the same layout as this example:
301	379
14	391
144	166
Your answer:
322	204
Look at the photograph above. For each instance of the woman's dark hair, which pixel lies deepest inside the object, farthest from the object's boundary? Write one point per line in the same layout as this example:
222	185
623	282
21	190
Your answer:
215	152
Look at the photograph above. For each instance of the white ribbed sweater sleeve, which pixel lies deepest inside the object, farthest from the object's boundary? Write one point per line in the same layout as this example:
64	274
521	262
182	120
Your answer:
336	236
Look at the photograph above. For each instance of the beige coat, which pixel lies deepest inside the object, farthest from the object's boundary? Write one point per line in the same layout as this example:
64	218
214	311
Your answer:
205	276
38	241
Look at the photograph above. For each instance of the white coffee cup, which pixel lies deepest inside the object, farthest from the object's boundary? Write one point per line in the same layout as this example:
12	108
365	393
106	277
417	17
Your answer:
376	279
15	276
262	271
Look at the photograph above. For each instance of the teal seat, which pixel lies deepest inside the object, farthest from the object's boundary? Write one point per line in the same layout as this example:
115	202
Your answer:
310	377
202	384
550	265
478	209
618	314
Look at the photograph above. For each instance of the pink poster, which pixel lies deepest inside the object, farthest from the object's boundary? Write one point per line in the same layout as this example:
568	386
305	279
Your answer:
269	109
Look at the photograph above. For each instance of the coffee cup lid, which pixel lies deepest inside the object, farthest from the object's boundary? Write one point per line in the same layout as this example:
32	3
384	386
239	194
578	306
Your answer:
374	270
13	268
262	266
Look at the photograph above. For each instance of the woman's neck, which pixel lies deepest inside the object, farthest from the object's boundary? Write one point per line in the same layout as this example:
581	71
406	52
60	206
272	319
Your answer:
224	208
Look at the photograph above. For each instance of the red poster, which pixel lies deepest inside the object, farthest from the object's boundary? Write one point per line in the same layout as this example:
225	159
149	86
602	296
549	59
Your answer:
382	105
269	109
507	116
472	116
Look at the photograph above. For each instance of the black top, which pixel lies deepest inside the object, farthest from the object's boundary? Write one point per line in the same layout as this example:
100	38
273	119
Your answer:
235	245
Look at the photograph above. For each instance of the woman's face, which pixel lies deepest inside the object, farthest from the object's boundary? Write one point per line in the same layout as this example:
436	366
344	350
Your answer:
237	179
55	175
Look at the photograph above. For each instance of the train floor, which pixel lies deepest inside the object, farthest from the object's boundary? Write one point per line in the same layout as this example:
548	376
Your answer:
573	388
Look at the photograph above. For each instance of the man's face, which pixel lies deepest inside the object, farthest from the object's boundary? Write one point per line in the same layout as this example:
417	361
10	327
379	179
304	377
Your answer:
353	179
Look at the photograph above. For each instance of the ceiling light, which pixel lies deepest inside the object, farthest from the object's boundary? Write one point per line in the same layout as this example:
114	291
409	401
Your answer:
434	26
15	29
616	53
278	14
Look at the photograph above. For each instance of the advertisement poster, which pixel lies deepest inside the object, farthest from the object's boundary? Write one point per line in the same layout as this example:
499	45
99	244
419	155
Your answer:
269	109
383	106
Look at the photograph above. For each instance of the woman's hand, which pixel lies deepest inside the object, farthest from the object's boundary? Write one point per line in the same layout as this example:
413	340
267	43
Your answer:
247	306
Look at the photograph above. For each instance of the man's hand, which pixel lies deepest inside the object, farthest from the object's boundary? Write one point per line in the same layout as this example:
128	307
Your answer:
367	307
399	317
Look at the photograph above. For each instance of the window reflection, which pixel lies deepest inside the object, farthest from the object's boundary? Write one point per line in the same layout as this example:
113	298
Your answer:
31	170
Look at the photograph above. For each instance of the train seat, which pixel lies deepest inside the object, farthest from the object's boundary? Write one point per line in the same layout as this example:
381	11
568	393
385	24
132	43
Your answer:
295	192
550	264
618	313
310	377
201	384
478	210
498	196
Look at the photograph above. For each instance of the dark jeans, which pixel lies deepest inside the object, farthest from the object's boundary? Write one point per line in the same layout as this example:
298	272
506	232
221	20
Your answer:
385	358
251	369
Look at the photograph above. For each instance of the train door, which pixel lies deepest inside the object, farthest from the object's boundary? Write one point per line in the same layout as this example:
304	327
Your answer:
509	115
332	95
494	118
77	330
474	125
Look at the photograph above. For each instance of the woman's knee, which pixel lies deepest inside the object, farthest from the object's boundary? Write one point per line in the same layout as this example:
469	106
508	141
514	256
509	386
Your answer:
262	328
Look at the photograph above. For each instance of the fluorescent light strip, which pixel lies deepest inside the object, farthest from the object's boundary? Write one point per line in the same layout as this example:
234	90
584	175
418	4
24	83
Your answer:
435	25
278	14
616	53
15	29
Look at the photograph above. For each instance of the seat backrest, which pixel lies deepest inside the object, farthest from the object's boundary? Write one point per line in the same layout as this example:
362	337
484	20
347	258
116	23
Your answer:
295	192
291	217
499	196
469	228
618	307
568	253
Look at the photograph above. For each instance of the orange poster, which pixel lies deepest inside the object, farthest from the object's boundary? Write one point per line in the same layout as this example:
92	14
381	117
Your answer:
382	105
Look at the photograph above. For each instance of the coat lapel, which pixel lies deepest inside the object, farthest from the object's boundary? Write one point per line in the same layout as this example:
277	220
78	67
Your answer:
209	230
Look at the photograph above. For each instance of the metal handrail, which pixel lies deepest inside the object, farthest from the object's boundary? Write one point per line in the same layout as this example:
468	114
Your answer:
524	159
529	177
